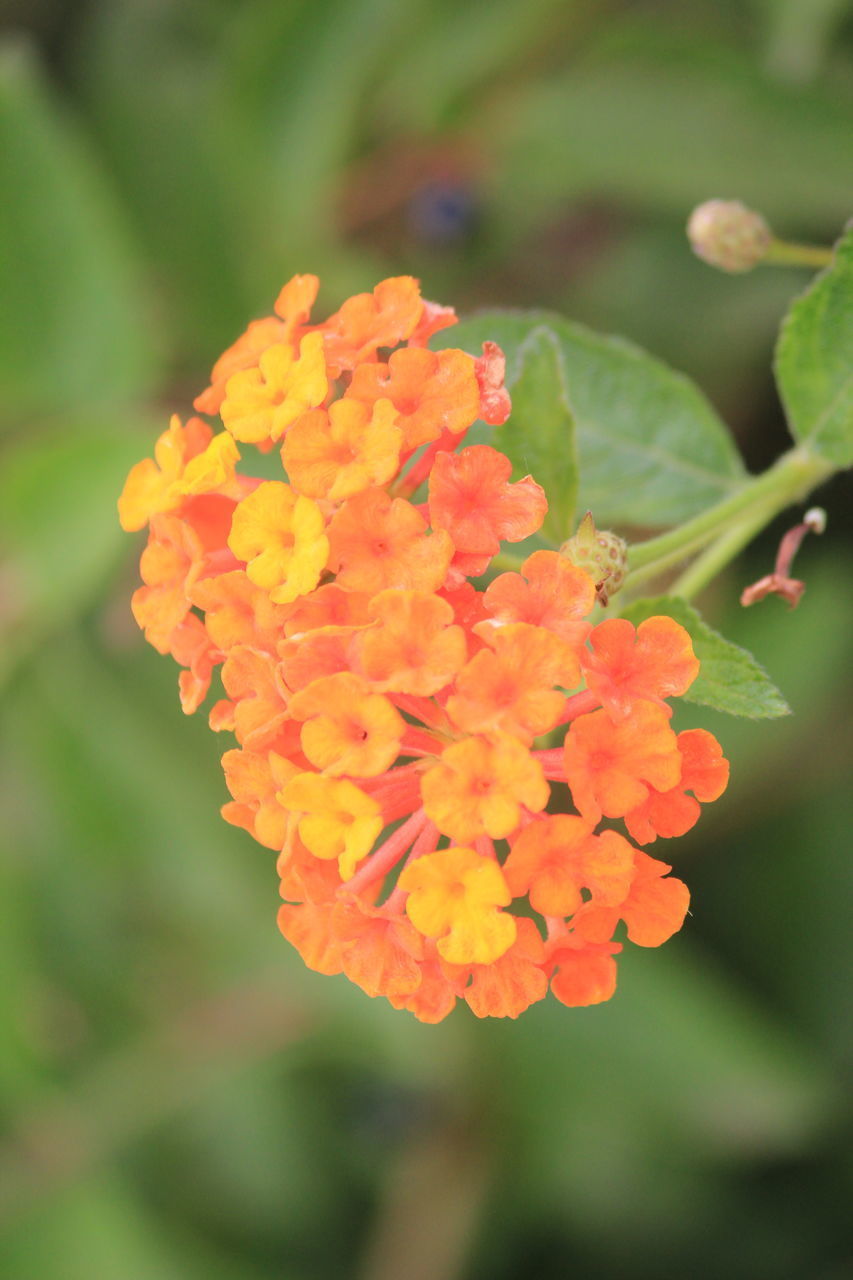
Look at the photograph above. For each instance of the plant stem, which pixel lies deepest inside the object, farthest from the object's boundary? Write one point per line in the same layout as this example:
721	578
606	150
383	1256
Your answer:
715	557
784	253
432	1203
737	517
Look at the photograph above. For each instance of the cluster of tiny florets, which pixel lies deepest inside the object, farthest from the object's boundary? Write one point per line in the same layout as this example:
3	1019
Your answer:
431	754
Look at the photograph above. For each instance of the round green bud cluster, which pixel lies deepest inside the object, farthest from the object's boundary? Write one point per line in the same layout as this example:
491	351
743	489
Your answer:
603	555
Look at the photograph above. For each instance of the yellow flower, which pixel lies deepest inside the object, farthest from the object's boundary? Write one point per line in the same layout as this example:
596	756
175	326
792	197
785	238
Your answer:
455	896
211	469
335	818
152	485
260	403
281	537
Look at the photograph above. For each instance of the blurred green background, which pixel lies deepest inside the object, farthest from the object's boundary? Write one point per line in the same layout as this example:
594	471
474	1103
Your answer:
181	1097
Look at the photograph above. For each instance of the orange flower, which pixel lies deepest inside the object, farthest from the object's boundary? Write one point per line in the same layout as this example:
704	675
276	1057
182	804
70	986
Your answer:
549	592
382	952
180	551
372	320
328	606
348	729
212	469
513	982
295	300
238	612
377	541
254	778
171	560
653	661
322	652
704	771
455	897
653	910
191	648
306	879
557	857
242	354
337	454
435	997
414	648
311	928
511	686
480	785
430	391
334	818
210	516
583	973
611	768
470	495
253	681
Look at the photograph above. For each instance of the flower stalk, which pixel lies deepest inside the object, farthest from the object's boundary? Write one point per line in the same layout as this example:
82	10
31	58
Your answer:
731	523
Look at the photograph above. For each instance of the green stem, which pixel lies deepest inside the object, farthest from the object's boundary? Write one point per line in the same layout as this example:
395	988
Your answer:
446	1166
715	558
784	253
667	560
744	512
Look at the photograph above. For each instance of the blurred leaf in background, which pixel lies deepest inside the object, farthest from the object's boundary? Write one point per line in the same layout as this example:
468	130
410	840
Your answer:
76	328
181	1097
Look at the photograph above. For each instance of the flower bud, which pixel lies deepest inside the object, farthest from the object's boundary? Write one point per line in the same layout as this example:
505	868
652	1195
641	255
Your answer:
728	235
601	554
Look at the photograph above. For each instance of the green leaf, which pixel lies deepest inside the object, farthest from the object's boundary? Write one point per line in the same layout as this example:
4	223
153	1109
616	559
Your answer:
651	449
59	531
318	103
540	435
245	120
74	330
730	679
813	366
184	160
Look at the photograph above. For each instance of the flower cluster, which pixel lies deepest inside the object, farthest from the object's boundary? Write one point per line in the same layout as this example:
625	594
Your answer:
430	757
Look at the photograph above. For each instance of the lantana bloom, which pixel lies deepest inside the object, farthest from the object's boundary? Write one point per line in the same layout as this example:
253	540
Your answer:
454	767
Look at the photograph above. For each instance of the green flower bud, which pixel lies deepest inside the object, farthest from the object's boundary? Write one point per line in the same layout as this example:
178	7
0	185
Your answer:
728	235
601	554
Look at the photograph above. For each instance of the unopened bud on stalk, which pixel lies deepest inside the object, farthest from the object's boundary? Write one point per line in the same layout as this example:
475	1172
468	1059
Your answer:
728	235
603	555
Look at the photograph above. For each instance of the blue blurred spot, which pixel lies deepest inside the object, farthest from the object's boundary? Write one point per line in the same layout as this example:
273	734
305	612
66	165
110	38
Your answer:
442	212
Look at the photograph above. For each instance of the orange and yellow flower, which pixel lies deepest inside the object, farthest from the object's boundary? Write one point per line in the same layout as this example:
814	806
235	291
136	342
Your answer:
409	742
